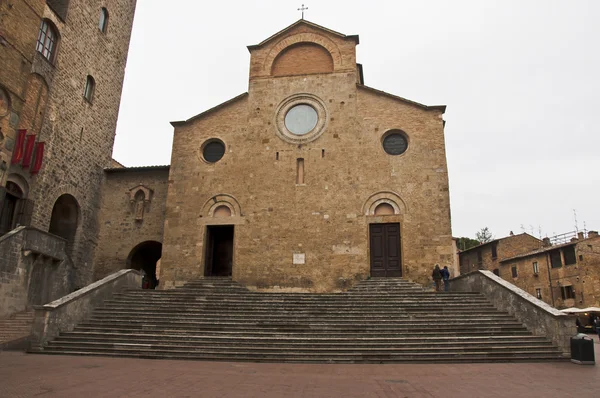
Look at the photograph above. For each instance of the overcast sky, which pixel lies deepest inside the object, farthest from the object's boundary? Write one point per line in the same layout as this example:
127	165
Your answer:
521	79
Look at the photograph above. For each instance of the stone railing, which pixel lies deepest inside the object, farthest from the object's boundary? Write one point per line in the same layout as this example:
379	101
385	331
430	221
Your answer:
540	318
65	313
35	268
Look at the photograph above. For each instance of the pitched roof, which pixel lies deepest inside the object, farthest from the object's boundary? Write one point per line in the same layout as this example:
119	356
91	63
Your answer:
303	22
497	240
539	251
206	112
426	107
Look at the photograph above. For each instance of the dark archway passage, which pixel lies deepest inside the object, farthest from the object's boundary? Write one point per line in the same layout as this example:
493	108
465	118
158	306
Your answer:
10	207
144	257
219	251
64	219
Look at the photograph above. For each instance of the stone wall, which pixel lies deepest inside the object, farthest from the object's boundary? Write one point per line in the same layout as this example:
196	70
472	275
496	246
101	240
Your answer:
34	269
537	316
79	134
19	27
481	257
65	313
325	218
120	231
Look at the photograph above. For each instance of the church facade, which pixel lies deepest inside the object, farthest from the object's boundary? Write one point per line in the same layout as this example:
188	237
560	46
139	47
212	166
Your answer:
309	181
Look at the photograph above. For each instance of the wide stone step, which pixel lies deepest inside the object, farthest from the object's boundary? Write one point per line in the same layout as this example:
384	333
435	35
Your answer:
269	339
290	344
299	350
162	312
308	304
395	327
438	358
316	333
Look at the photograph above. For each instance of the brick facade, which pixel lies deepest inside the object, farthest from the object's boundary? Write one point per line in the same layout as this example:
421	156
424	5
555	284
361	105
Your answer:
571	280
323	219
489	255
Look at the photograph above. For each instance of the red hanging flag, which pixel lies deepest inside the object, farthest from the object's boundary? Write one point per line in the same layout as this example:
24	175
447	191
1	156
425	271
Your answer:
29	143
18	150
39	155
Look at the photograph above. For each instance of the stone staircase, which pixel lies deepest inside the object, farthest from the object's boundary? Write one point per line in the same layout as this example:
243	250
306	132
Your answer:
378	321
15	330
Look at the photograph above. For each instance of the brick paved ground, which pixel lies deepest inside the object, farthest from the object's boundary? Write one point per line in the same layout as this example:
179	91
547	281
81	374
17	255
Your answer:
23	375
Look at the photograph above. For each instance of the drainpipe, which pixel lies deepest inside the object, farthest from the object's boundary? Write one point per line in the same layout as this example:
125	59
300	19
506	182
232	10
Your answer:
549	277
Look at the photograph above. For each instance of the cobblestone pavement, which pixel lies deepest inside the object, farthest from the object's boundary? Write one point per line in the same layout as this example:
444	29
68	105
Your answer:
26	375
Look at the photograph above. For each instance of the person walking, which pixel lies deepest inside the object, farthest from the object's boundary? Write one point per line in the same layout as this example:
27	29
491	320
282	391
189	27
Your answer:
437	277
446	277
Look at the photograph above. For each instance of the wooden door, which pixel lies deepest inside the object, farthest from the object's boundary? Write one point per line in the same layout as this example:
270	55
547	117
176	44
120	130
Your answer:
386	258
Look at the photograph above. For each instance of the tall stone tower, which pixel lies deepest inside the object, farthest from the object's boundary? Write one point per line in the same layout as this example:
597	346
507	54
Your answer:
74	92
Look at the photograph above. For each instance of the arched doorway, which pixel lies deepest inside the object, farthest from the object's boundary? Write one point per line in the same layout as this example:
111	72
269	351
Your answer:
11	207
144	257
65	219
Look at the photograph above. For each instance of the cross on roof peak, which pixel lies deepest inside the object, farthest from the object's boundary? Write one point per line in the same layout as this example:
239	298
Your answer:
302	9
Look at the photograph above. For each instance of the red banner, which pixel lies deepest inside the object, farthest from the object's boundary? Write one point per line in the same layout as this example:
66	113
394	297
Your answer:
39	156
29	144
18	150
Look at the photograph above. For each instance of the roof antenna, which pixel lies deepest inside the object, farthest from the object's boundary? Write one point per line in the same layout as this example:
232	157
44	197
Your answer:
575	216
302	9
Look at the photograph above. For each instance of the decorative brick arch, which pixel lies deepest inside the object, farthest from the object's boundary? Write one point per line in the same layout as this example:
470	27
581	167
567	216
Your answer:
226	200
389	197
321	40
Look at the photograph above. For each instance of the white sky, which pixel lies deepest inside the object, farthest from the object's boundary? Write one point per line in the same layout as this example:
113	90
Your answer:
520	79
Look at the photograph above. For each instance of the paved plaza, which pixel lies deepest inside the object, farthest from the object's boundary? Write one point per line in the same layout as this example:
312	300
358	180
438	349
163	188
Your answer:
26	375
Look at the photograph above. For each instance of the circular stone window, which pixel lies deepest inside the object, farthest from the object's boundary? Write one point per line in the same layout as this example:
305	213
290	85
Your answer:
213	151
395	142
301	118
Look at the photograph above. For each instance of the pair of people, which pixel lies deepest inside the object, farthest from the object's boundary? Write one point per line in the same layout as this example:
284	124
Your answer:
440	275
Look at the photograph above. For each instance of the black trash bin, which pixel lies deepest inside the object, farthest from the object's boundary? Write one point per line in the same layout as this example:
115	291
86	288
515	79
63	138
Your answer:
582	350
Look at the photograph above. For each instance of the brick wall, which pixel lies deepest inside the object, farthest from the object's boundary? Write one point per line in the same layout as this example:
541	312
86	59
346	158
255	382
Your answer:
481	257
120	232
302	59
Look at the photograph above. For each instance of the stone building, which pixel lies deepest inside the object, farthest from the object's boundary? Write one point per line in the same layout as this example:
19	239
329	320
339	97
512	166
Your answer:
309	181
64	97
489	255
563	275
19	90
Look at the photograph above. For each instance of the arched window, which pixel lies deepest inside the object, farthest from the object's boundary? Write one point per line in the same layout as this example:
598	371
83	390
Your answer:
47	40
90	86
103	23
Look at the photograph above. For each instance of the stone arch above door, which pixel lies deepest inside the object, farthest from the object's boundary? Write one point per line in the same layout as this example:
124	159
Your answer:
384	197
208	210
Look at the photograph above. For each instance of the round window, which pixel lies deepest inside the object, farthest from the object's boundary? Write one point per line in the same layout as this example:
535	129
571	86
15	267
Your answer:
395	143
301	119
213	151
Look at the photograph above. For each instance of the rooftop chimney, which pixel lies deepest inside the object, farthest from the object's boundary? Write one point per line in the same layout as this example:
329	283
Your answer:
580	236
546	242
592	234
